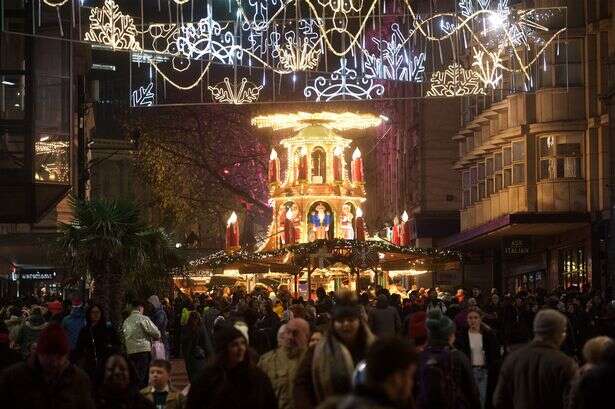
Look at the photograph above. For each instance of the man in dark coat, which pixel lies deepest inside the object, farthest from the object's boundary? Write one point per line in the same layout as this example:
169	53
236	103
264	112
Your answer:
538	375
384	320
48	379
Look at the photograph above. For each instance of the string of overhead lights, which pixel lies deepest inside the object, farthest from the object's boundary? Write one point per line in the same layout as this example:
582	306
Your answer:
278	40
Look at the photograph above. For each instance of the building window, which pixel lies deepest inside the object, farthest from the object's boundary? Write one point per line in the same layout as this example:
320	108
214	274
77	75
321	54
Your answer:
573	268
518	162
474	183
465	186
562	65
560	157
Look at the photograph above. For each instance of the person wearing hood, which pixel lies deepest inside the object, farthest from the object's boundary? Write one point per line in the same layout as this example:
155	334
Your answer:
74	322
281	363
232	380
97	341
28	333
326	369
384	320
47	379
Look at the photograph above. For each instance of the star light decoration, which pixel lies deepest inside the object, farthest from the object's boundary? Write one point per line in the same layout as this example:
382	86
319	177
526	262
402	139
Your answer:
108	26
455	81
343	83
143	96
395	62
227	93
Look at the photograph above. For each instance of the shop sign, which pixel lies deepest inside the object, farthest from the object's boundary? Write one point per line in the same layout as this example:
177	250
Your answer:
37	275
517	246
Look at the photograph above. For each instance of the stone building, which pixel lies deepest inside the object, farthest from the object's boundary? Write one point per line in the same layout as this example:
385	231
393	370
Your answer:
535	167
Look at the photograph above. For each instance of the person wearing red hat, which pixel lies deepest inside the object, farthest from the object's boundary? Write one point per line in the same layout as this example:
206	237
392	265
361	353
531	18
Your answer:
47	379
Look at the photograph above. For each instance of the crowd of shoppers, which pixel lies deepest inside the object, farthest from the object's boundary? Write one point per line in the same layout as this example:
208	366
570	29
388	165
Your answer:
265	349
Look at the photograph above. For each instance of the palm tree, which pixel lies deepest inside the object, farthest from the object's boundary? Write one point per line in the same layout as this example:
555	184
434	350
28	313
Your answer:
109	240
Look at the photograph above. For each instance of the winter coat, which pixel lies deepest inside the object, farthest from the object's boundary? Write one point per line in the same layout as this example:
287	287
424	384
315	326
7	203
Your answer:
326	369
384	321
536	376
24	386
595	388
493	358
175	400
129	399
94	345
244	386
28	333
281	369
73	323
139	332
460	373
362	398
196	349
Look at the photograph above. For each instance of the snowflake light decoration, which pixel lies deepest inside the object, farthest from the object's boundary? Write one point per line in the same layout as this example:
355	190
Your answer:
108	26
343	83
227	93
488	67
394	61
455	81
143	96
208	38
300	52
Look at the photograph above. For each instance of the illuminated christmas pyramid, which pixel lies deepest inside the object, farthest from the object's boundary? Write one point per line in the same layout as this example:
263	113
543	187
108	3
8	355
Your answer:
318	196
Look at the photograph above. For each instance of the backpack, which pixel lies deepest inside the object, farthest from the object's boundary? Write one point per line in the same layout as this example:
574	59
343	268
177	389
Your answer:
437	388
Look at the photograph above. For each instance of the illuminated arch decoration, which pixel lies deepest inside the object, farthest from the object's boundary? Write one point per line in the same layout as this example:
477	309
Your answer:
455	81
395	62
343	83
227	93
108	26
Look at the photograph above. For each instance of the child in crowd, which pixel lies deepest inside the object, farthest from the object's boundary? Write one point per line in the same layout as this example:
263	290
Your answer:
159	390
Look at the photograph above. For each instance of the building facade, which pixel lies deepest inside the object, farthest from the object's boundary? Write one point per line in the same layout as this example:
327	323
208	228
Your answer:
535	167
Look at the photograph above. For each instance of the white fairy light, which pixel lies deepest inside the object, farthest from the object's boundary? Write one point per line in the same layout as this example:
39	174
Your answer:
343	83
488	68
108	26
455	81
226	93
143	96
390	64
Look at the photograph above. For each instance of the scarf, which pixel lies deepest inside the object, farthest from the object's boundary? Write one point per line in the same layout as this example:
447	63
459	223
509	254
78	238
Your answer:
333	366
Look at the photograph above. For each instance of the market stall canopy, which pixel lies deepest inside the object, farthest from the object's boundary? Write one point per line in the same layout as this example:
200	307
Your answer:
358	255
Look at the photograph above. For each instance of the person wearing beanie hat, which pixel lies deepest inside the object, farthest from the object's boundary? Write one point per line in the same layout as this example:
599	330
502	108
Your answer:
232	380
445	377
541	361
417	329
47	379
326	368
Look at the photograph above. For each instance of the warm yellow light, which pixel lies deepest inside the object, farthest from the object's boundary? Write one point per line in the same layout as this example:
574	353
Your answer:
273	155
232	219
289	214
338	151
411	272
333	120
359	212
404	216
356	154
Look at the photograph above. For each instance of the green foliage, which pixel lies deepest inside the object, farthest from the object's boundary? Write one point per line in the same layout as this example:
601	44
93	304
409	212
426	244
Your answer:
118	250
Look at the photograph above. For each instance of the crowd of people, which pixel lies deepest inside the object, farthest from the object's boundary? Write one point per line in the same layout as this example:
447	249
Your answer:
426	349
